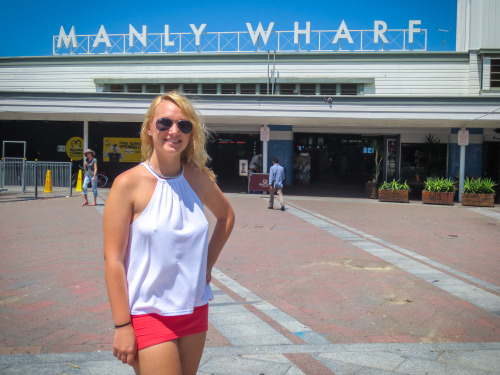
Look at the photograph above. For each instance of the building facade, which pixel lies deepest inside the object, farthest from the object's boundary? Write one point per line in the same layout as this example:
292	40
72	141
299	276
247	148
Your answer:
323	109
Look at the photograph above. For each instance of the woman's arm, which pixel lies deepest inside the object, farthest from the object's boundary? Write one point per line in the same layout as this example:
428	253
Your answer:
218	204
95	170
117	217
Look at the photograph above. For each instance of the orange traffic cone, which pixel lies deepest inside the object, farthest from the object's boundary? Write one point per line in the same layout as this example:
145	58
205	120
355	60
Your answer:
79	181
48	183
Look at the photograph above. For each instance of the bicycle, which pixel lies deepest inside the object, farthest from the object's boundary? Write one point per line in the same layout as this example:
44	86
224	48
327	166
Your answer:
102	179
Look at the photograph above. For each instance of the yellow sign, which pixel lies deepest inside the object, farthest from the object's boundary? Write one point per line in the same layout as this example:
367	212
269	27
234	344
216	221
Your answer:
117	150
74	148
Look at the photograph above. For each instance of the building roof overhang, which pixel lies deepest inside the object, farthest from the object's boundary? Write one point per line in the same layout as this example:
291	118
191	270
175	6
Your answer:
239	111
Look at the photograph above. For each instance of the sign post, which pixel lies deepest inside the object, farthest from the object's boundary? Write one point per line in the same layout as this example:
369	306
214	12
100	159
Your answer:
265	134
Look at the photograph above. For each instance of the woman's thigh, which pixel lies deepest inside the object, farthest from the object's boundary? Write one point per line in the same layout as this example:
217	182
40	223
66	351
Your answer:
190	350
159	359
177	357
86	181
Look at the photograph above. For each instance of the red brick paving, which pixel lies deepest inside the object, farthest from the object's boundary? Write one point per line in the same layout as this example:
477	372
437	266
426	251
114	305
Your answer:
352	296
53	297
308	364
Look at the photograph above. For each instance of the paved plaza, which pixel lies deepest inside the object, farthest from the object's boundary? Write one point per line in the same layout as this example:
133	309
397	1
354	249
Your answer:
330	286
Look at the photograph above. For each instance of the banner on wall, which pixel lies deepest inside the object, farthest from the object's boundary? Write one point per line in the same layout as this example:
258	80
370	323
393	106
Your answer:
74	148
243	169
116	150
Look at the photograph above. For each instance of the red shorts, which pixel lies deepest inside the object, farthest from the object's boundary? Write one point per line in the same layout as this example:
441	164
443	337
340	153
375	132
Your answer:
153	329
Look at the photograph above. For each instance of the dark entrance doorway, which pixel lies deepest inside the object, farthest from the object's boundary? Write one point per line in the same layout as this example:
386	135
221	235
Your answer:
338	163
226	149
491	164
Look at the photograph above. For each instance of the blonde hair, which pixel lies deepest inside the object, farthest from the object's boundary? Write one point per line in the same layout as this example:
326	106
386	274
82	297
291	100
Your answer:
195	154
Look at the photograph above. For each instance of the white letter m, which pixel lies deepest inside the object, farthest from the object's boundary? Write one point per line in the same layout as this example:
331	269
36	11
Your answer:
67	39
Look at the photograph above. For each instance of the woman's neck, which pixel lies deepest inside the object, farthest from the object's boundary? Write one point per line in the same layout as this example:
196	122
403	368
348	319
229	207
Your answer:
166	166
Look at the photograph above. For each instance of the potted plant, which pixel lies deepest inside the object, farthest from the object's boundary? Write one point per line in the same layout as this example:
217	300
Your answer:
394	191
438	190
372	186
478	192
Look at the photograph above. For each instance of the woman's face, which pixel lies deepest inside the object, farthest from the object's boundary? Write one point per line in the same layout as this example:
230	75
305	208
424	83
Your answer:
171	141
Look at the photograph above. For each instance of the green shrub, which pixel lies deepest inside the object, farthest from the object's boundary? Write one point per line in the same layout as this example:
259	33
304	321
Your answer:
395	185
479	186
439	184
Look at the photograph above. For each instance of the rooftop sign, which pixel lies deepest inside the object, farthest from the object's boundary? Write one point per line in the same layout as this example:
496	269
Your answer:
253	40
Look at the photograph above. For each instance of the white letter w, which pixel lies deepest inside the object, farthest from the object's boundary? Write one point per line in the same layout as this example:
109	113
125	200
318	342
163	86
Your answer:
260	31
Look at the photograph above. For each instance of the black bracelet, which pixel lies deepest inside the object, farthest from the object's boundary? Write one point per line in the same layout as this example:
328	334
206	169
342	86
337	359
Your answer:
123	325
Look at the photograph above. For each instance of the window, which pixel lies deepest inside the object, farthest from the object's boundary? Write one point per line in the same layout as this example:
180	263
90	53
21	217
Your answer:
167	87
328	89
263	88
190	88
116	88
287	89
349	89
134	87
307	89
153	88
228	88
248	88
209	88
495	73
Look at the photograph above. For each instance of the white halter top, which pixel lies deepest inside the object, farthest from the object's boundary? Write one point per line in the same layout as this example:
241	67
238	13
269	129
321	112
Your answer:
166	260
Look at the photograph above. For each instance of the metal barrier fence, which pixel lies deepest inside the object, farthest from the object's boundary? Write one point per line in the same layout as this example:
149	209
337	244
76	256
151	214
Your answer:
29	177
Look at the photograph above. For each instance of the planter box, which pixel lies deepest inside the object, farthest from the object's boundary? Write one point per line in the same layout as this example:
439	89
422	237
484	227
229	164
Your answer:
435	197
371	190
393	196
480	200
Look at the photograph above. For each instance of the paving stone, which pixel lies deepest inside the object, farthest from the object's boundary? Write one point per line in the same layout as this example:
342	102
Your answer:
333	278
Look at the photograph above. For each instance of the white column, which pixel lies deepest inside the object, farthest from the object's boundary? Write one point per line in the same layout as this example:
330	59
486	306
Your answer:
264	137
85	137
264	156
462	172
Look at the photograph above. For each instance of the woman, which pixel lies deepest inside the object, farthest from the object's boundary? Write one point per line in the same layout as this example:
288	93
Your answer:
90	171
158	259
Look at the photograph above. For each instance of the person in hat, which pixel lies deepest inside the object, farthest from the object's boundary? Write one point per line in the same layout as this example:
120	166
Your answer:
158	250
90	173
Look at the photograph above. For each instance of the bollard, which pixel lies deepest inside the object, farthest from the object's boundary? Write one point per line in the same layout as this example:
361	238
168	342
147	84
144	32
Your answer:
48	183
79	181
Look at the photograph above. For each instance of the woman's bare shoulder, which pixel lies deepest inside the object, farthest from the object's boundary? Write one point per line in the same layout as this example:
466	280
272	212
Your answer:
131	179
191	170
195	176
130	176
198	180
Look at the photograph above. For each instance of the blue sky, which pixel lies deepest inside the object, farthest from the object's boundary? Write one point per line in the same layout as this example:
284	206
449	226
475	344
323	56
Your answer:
27	27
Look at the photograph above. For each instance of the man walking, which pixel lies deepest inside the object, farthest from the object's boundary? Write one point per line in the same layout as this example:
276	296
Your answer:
276	177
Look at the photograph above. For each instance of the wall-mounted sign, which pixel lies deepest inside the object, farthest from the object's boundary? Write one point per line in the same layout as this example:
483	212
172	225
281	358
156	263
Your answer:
74	148
463	137
264	133
200	40
116	150
243	167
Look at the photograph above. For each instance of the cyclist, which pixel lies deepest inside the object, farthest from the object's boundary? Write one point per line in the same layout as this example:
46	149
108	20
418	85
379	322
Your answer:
90	172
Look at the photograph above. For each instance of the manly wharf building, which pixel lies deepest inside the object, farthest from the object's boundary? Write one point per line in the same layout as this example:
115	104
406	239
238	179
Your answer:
325	96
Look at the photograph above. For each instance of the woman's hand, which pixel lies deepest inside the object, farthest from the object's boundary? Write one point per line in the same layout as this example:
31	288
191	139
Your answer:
209	275
125	345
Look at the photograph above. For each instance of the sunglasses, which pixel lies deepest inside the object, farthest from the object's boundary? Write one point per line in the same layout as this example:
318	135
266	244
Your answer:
164	124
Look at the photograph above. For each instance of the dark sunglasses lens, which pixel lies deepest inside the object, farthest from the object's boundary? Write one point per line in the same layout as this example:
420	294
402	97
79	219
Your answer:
163	124
185	126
